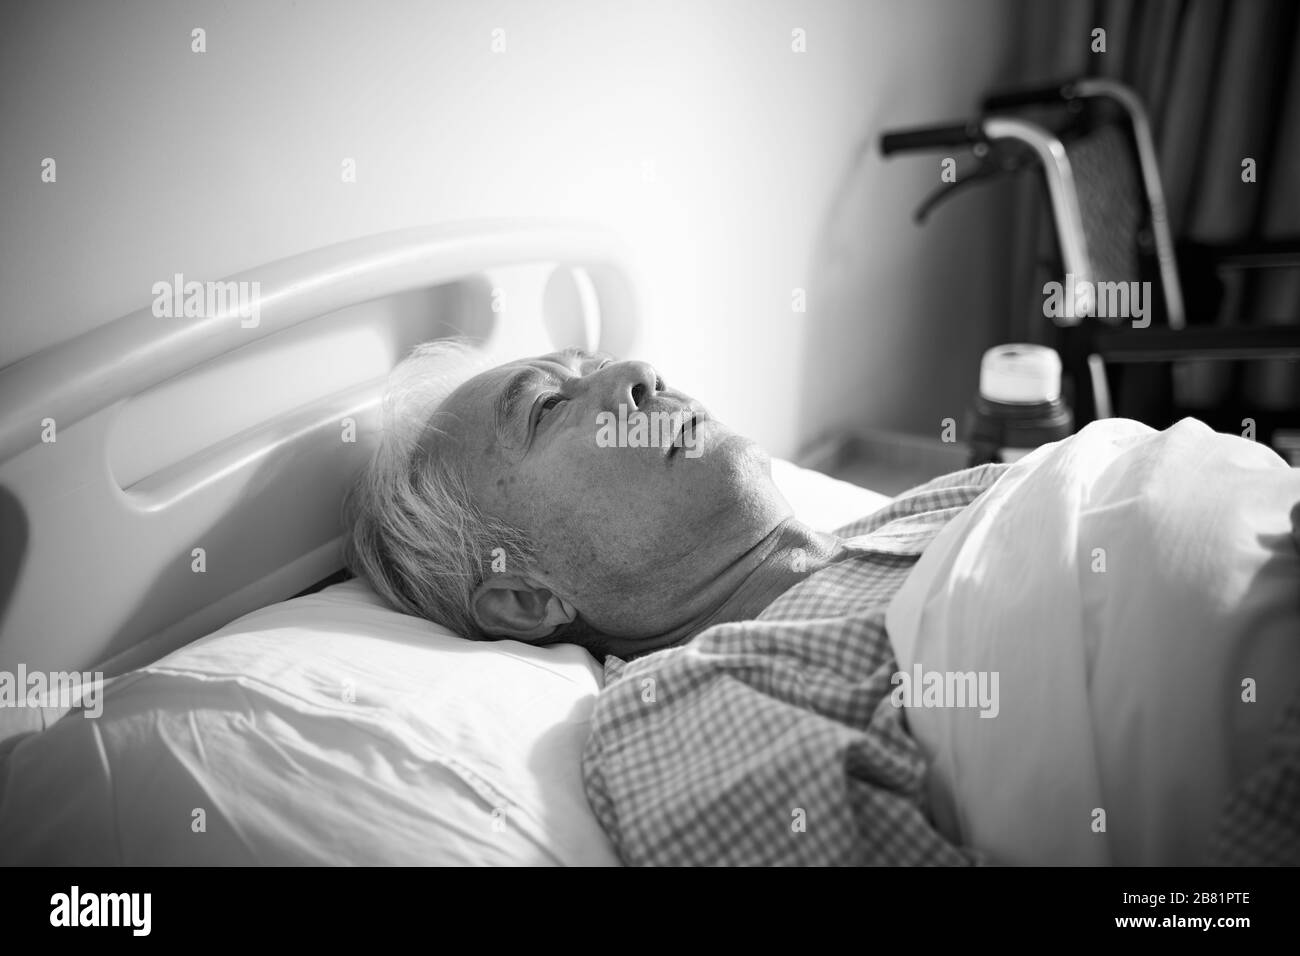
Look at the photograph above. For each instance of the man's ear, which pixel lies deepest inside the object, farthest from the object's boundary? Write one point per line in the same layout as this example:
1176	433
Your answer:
507	605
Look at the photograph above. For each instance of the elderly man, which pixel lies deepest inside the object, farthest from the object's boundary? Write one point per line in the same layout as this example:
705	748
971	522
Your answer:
755	709
622	547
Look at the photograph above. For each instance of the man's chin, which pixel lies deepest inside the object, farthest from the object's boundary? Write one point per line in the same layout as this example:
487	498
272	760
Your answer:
739	456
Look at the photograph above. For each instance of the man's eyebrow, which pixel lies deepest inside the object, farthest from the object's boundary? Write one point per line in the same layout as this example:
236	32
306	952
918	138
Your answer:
507	403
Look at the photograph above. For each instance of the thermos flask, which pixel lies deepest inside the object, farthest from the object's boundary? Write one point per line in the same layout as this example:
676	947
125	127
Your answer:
1019	406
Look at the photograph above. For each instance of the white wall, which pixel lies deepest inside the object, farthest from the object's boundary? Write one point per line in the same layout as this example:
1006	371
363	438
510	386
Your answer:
170	161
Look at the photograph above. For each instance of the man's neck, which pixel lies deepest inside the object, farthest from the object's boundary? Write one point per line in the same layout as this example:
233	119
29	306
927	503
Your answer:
785	556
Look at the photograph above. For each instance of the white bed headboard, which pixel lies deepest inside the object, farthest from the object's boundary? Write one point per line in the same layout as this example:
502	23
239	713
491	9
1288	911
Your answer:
176	434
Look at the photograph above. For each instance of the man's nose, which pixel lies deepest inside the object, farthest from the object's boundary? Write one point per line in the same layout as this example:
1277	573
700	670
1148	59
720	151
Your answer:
629	383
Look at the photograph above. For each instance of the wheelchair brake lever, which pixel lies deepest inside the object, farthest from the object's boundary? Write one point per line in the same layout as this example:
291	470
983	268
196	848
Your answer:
995	163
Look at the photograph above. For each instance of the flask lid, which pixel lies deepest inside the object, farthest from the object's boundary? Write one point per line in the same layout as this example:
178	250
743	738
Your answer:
1020	373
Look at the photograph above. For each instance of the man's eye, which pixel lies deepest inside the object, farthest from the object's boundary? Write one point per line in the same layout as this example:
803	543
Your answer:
549	402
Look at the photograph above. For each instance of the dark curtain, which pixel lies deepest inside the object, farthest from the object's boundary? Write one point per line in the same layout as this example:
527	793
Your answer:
1221	81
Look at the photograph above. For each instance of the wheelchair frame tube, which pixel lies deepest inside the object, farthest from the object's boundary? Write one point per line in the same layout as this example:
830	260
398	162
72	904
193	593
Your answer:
1061	191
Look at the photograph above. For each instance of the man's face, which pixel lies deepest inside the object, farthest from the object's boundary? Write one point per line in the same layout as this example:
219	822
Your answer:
624	529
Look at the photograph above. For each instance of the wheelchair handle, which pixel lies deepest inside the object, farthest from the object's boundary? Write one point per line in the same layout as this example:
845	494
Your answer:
931	137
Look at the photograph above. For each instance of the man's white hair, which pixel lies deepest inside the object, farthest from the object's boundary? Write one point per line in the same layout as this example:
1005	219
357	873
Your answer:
415	534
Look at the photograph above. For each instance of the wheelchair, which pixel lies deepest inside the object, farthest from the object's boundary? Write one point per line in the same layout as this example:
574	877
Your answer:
1090	144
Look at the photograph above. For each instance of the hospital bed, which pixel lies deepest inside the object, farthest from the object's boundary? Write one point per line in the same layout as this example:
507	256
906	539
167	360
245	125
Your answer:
170	498
170	492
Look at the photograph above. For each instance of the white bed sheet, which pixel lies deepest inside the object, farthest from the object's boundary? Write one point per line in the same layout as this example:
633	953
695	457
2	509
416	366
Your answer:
1123	583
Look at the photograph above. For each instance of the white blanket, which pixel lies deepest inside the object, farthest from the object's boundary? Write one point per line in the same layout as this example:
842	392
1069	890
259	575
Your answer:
1138	593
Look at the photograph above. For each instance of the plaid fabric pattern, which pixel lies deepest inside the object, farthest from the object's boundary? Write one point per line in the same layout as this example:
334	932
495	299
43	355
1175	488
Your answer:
774	741
1260	822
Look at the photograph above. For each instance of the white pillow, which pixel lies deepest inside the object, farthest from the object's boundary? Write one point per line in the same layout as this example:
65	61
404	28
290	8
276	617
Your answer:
324	730
822	502
330	729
